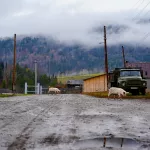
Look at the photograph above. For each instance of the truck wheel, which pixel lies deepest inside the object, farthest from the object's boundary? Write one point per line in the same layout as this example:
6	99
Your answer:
143	91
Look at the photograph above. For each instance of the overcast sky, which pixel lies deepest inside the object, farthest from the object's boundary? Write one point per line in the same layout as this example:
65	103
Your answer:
75	20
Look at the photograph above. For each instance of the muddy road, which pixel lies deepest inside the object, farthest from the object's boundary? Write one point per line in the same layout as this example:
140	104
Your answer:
73	122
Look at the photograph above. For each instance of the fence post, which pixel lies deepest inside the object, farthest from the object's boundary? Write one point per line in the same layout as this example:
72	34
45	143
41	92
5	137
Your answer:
104	142
25	89
41	89
38	88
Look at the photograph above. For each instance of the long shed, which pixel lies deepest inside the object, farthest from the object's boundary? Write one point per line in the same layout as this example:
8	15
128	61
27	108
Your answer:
95	84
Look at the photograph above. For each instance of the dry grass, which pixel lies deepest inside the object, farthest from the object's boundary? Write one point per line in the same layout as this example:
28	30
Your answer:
3	95
6	95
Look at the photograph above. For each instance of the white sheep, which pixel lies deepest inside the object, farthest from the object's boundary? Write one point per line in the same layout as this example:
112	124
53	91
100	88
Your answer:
55	90
117	91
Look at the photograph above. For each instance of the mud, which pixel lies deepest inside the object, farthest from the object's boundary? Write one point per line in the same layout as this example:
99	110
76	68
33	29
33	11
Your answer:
73	122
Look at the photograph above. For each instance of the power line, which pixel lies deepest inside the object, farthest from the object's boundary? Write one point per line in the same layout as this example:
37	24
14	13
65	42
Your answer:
146	36
141	10
146	13
137	3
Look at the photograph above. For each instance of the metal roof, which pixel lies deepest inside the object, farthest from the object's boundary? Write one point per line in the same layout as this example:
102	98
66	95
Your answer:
75	82
95	76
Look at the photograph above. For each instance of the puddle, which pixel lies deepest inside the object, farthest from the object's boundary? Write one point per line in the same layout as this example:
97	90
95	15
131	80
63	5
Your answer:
112	143
55	139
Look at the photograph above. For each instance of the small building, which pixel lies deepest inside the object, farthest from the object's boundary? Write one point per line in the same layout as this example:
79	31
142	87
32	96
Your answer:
74	84
145	66
95	84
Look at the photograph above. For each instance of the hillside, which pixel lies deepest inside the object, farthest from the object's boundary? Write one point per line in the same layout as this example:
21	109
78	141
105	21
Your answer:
58	58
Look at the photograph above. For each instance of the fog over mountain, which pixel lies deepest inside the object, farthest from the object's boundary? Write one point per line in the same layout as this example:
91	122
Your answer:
81	21
62	31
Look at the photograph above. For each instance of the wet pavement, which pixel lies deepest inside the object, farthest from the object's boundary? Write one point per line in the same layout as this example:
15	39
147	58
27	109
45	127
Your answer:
73	122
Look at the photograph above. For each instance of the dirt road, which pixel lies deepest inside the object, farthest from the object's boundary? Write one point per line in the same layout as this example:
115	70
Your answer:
73	122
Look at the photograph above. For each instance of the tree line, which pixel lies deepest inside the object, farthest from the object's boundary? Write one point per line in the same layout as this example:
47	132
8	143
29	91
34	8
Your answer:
23	74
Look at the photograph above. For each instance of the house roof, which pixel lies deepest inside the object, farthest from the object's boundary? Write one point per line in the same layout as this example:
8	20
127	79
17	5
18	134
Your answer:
95	76
75	82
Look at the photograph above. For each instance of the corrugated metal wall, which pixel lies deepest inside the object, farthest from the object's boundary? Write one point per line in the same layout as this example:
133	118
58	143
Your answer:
95	84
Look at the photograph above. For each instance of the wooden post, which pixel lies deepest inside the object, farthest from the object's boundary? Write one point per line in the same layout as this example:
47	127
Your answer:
104	142
124	61
106	59
122	142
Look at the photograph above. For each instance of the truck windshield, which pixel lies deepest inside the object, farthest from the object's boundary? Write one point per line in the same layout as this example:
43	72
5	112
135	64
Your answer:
130	73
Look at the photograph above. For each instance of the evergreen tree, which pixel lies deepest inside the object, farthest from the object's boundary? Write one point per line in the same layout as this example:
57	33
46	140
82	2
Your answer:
1	72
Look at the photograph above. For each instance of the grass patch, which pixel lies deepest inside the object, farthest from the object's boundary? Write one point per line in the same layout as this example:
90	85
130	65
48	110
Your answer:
64	79
129	96
23	94
11	94
6	95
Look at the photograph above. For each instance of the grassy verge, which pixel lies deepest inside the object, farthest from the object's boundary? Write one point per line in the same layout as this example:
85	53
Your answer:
5	95
23	94
129	96
10	95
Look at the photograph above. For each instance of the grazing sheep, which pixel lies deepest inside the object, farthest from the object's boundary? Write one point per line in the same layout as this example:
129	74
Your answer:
53	90
117	91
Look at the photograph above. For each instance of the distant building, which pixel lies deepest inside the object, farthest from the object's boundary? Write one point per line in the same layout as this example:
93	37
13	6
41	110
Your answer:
74	83
145	66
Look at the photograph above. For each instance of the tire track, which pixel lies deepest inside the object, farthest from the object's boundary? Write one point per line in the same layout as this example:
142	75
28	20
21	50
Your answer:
8	107
14	104
23	137
10	121
13	119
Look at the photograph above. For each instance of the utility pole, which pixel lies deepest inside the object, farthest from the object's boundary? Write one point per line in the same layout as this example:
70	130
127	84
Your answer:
106	59
14	67
124	61
35	62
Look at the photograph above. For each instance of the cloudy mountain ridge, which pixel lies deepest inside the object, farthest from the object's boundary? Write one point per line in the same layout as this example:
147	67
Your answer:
60	58
65	35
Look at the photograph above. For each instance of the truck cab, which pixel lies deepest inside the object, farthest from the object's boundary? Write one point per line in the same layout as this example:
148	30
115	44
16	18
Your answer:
129	79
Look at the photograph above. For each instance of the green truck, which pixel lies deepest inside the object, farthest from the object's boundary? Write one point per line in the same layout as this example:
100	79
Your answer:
129	79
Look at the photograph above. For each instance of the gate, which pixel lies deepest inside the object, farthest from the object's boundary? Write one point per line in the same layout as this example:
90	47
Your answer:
37	89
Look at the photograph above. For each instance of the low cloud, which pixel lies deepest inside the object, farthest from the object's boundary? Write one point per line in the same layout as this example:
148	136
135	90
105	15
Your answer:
70	21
